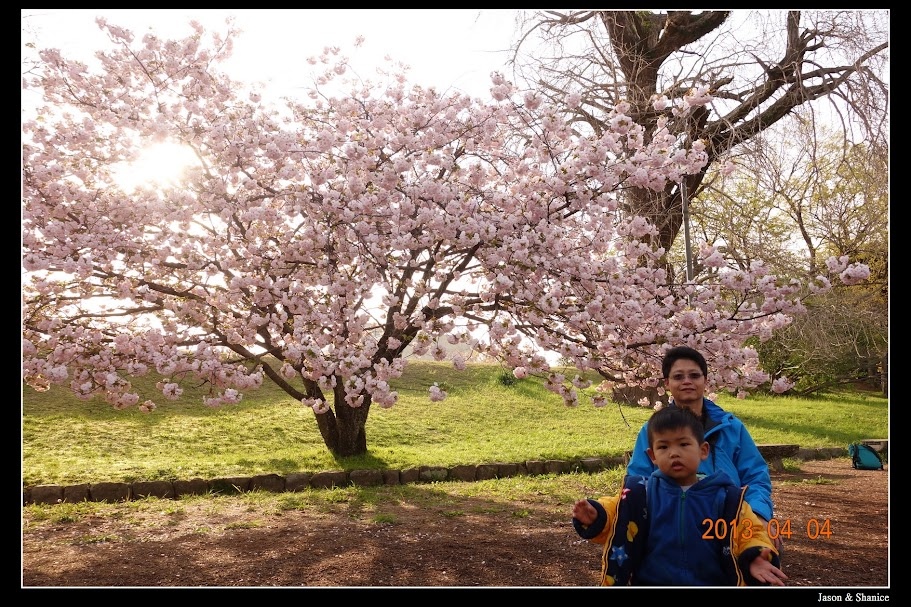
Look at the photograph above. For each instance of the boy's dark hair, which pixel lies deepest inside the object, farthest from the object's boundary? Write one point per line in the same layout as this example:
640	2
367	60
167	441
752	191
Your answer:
672	418
686	353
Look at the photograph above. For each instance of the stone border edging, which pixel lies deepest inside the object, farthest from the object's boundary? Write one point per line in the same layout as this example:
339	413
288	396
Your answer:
301	481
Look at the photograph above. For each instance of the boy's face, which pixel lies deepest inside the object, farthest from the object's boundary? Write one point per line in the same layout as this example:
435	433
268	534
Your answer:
677	453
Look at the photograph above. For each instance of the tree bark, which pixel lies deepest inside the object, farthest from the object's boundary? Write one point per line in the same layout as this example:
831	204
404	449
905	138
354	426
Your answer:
344	429
640	42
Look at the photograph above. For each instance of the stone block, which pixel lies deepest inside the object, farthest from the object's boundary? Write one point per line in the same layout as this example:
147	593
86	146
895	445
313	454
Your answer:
463	473
268	482
615	462
230	485
109	492
881	445
534	466
326	480
805	454
297	481
193	486
506	470
410	475
430	474
487	471
391	477
366	478
47	494
161	489
593	464
74	494
557	466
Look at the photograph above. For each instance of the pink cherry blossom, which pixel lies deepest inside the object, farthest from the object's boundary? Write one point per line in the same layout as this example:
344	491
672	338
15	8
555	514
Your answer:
781	385
324	243
855	274
837	264
436	393
660	102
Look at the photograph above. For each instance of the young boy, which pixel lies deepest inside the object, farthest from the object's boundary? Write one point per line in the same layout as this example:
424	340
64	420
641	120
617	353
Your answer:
676	528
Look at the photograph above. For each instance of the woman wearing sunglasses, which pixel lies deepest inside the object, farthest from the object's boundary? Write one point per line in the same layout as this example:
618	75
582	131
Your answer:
732	449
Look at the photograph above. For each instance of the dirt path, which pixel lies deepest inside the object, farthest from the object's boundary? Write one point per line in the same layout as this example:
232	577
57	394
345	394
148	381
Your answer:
455	545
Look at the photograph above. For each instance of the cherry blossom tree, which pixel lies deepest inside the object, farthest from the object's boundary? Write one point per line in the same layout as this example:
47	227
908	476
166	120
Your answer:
319	243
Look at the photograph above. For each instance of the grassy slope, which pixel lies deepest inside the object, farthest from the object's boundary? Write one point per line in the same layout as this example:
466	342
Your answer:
65	440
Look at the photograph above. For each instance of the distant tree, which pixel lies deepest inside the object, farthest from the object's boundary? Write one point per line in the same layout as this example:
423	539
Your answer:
759	67
317	243
838	197
841	340
790	203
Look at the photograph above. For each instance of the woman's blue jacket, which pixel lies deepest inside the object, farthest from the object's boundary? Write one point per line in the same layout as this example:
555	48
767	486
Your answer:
733	452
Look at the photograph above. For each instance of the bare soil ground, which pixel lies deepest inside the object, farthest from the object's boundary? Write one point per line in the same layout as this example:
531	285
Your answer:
457	544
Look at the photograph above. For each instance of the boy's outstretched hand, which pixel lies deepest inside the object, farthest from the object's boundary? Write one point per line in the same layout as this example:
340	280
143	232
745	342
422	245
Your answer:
764	571
586	514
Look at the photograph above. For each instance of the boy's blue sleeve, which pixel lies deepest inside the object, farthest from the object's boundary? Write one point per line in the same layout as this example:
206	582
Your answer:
639	463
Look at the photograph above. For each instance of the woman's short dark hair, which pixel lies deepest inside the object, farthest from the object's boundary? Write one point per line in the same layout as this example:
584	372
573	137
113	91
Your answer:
673	418
685	353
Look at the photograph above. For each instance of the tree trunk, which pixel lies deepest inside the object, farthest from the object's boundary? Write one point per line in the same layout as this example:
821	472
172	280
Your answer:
642	41
343	430
630	395
884	376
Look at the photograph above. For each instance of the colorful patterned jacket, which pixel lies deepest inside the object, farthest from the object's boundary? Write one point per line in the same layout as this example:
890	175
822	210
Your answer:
656	534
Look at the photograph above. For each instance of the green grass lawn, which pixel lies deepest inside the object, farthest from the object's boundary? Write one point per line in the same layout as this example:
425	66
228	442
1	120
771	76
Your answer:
483	419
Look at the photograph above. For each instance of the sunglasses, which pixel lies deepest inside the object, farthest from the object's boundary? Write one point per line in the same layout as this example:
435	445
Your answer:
681	376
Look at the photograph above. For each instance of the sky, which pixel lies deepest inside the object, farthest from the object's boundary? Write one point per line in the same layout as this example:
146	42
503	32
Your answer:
445	48
452	48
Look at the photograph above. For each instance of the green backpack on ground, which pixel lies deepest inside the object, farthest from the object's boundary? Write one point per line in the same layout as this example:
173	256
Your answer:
864	457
